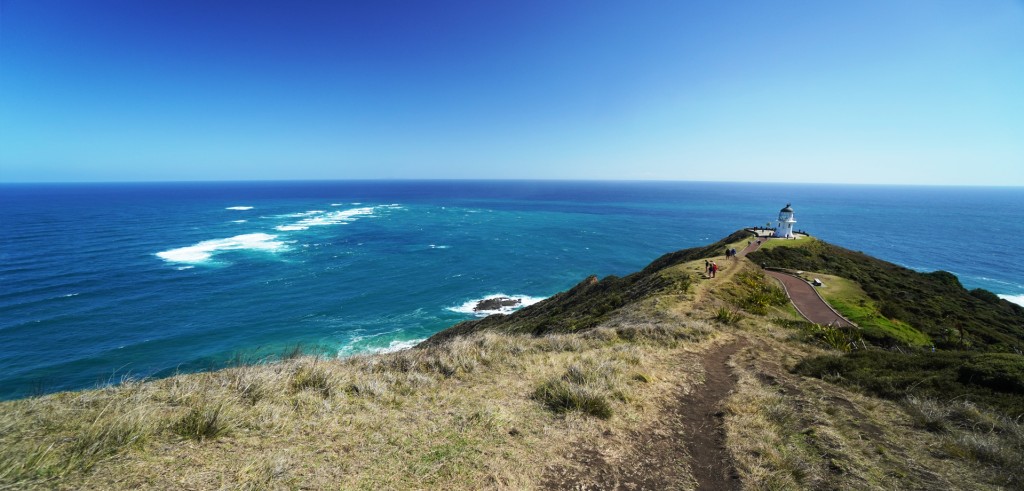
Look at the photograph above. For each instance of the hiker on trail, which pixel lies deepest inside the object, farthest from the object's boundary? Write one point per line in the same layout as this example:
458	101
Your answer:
714	269
707	266
733	252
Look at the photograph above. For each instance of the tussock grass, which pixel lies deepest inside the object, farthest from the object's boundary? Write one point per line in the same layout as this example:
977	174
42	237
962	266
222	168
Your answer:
314	379
205	421
341	422
589	386
563	396
973	433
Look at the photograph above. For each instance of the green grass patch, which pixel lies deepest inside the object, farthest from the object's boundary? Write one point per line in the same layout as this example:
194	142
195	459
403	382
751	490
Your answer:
849	299
902	305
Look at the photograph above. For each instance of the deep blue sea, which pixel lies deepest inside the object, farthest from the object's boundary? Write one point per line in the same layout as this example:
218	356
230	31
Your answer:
102	280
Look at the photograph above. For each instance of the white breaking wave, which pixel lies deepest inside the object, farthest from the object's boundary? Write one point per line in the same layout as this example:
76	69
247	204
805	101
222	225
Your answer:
202	251
467	308
238	221
317	218
398	346
238	208
1017	299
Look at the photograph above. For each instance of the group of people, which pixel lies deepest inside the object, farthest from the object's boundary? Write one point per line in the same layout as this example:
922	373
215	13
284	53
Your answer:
730	253
710	268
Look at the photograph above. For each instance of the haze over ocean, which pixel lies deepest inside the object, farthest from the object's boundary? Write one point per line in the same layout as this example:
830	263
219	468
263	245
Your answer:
101	280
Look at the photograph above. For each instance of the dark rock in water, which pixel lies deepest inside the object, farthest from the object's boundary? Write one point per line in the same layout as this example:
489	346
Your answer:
496	303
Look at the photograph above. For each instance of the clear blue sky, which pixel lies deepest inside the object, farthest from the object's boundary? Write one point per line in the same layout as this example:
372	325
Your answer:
900	92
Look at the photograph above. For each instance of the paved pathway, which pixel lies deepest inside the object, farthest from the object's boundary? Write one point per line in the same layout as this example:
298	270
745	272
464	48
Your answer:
752	247
807	301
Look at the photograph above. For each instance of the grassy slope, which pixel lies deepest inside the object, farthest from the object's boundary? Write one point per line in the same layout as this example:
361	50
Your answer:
465	411
591	301
933	303
855	304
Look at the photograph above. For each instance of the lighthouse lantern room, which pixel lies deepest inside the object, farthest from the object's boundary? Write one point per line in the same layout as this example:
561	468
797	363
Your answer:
786	221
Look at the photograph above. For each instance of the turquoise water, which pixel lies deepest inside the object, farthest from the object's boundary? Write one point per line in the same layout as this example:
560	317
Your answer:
102	280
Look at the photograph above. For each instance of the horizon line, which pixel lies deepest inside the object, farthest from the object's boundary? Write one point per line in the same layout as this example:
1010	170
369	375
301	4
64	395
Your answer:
395	179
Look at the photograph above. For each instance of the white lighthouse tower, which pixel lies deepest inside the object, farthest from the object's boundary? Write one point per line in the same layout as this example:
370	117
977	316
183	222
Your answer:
786	221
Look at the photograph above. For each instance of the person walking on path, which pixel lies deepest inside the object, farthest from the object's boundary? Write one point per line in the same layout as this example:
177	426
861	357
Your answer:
714	269
707	268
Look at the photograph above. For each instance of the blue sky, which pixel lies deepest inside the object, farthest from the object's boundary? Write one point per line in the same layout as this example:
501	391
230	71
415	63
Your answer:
904	92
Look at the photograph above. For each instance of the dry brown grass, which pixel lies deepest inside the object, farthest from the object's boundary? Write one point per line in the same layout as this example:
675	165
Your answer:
458	415
785	431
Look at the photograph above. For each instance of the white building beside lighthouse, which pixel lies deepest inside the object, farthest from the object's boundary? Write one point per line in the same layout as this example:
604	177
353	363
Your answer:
786	221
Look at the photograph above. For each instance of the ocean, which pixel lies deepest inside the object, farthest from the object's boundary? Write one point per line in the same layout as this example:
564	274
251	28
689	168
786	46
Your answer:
103	281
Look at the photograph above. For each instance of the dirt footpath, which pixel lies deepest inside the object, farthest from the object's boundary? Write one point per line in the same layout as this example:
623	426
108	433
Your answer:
703	422
689	431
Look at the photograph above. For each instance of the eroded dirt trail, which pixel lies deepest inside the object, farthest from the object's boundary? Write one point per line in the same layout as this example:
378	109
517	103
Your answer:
705	440
689	430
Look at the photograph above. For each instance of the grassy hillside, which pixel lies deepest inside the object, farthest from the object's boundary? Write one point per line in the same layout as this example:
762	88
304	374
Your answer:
593	301
935	304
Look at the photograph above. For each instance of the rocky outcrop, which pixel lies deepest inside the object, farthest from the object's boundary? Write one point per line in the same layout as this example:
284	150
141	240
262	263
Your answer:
496	303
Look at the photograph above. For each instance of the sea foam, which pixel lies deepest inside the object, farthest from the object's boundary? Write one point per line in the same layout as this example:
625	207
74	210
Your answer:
1017	299
317	218
398	346
238	208
202	251
467	308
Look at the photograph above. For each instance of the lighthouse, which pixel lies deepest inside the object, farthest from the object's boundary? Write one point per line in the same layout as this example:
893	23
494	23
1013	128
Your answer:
786	221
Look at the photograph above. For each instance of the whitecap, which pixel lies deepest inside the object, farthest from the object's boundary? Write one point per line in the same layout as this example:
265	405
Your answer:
202	251
238	208
238	221
185	267
467	308
1017	299
317	218
398	346
69	295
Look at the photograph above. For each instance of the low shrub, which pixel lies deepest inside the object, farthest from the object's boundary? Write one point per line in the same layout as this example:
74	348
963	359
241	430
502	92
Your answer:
726	315
942	375
759	295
